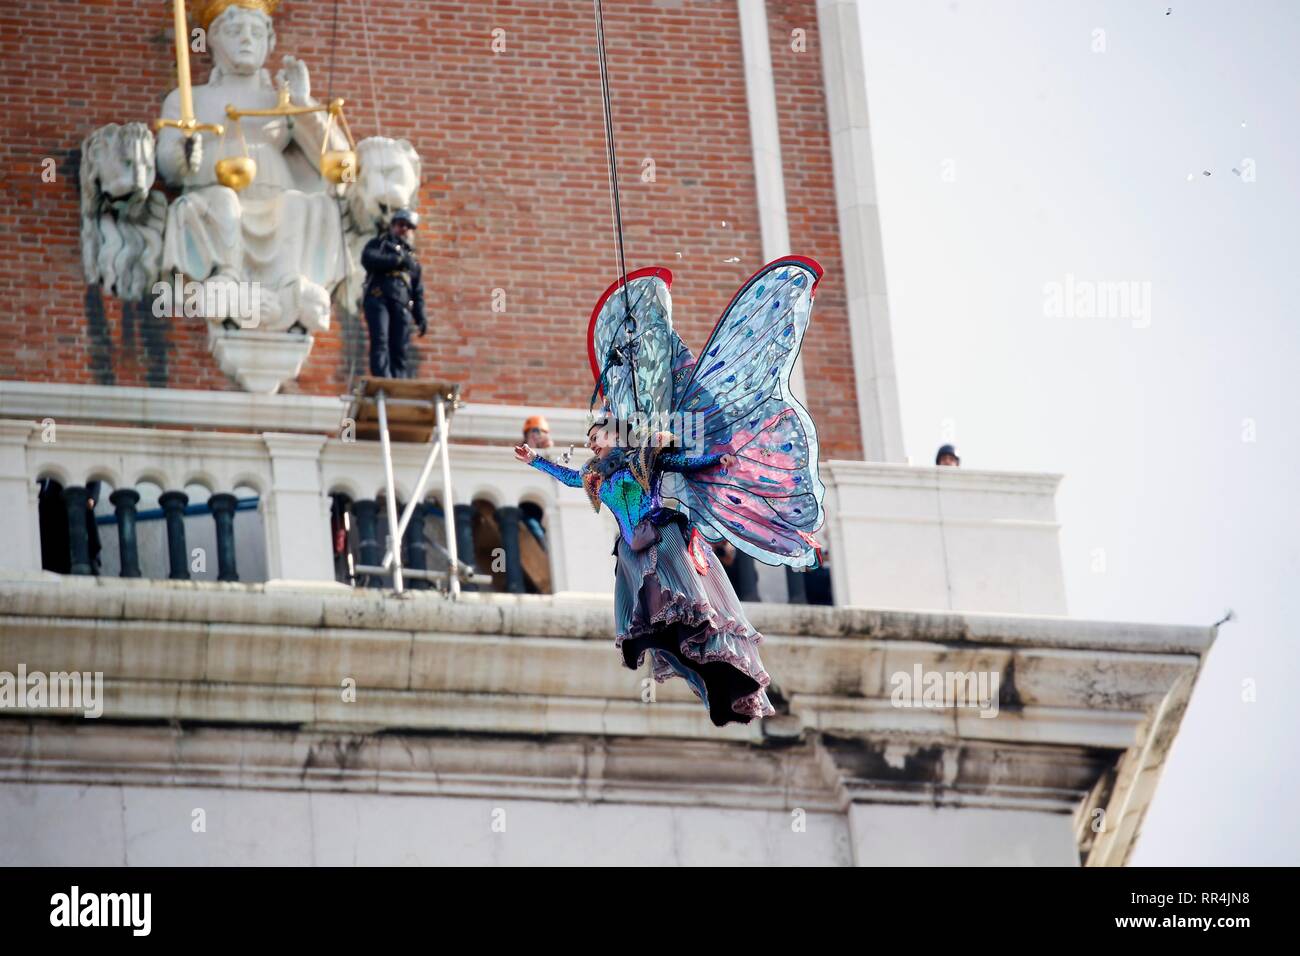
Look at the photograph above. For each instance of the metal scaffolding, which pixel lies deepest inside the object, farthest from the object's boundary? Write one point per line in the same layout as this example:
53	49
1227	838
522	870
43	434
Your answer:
406	410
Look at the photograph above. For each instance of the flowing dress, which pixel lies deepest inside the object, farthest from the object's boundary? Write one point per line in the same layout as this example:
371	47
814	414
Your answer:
672	598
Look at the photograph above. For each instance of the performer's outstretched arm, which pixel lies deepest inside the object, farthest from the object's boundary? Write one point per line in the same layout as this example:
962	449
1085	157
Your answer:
680	461
561	474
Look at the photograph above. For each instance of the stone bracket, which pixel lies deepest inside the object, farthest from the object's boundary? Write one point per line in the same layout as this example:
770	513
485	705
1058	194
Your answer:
259	361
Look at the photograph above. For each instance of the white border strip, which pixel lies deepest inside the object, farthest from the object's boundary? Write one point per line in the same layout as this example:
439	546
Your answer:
318	414
765	142
844	78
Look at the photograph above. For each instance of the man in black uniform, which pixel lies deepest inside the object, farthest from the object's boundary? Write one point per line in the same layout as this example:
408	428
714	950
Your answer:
394	296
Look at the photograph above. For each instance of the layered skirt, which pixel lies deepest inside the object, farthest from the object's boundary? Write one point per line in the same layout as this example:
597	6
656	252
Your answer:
691	624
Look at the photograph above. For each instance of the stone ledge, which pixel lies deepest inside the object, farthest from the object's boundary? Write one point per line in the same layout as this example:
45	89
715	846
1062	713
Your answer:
243	410
845	681
284	603
875	474
824	774
1087	709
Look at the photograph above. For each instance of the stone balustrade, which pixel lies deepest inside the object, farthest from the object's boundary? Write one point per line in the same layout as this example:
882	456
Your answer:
896	535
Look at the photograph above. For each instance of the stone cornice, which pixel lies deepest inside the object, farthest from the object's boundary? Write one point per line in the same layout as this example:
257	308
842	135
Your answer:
822	774
169	406
1086	709
251	412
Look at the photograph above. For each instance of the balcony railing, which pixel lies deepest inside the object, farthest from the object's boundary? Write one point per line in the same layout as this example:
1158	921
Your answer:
299	505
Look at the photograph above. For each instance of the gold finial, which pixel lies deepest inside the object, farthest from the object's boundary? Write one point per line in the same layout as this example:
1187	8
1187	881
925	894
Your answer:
205	11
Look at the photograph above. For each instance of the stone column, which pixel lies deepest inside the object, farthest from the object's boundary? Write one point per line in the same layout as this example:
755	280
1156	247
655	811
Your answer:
223	513
124	501
18	499
578	542
366	512
765	144
173	506
508	522
74	499
297	510
849	125
464	514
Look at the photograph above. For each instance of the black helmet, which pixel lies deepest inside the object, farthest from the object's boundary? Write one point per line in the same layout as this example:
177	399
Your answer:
946	450
405	215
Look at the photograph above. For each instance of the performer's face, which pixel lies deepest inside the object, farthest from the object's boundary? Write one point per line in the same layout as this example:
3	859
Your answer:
600	441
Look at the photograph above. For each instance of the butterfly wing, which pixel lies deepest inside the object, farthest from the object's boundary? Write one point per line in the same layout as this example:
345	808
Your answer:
737	396
634	331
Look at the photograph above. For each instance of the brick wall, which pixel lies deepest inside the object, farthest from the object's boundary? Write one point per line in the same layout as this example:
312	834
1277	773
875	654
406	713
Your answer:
514	193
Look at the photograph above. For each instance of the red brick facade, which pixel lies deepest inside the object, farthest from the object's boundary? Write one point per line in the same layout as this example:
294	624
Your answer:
514	193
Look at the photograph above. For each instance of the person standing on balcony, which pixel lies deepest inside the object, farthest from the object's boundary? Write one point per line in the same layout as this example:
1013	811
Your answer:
537	432
393	297
946	457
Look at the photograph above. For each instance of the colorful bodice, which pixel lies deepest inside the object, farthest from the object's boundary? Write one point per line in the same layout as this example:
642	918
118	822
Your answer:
621	493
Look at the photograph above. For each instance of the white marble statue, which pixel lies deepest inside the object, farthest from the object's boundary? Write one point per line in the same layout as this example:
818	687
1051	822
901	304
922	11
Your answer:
121	214
267	258
283	231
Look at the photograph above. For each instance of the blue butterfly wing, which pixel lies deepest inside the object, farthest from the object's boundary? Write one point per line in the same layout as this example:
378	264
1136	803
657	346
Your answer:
738	396
635	332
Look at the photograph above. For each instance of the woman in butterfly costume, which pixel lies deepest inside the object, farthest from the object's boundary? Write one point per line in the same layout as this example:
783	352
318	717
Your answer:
691	451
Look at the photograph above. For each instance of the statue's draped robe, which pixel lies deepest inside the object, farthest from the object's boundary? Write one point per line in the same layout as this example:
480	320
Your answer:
279	231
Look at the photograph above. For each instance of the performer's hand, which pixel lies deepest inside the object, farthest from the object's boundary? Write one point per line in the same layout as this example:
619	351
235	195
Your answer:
424	328
524	453
727	461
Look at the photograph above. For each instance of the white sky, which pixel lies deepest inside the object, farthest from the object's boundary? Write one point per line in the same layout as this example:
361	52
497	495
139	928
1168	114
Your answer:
1066	161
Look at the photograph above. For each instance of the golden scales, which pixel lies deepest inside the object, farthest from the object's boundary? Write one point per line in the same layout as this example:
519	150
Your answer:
237	172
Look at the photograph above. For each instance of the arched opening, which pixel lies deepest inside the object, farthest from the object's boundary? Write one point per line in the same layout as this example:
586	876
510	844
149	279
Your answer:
151	531
250	534
343	537
534	552
70	542
200	533
52	513
521	565
102	529
488	554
